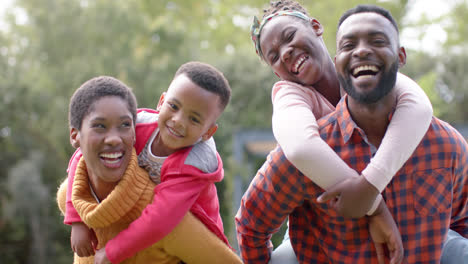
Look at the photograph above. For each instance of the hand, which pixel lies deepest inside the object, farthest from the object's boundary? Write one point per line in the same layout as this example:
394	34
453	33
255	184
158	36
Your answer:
101	257
383	230
350	198
83	240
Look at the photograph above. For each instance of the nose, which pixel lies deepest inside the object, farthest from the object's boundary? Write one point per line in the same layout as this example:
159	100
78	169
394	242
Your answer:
178	119
362	50
113	138
286	53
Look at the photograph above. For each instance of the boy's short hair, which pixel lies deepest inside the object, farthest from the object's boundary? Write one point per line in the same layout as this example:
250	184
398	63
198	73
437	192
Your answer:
369	9
83	98
208	78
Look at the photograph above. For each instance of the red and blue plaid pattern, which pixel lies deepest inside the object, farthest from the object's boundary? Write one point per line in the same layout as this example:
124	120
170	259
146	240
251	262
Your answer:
428	196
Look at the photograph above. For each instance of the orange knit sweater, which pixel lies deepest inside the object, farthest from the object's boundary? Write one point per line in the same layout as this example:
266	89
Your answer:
190	241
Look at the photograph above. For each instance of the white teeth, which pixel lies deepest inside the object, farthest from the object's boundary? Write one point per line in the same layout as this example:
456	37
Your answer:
298	62
112	155
365	68
174	132
112	161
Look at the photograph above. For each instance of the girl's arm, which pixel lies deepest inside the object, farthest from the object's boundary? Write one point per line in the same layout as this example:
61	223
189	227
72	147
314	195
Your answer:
408	126
294	123
295	129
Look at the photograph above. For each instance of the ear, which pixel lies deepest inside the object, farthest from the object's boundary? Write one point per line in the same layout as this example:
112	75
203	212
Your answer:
74	137
161	101
316	26
401	56
210	132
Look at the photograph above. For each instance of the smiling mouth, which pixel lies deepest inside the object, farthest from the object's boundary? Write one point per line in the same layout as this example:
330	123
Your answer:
299	63
174	132
112	158
365	71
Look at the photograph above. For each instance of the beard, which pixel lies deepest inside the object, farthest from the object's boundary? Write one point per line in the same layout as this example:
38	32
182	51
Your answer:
385	85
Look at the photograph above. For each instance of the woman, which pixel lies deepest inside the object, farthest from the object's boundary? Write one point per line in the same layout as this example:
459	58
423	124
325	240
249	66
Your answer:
111	190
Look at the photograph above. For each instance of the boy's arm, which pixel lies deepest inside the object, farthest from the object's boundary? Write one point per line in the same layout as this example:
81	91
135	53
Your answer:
296	130
173	198
71	215
408	126
82	238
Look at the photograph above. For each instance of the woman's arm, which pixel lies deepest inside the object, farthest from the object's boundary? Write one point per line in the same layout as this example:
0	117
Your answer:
408	126
192	242
296	130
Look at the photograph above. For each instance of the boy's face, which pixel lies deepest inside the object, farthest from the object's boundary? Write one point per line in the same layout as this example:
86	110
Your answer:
106	139
187	113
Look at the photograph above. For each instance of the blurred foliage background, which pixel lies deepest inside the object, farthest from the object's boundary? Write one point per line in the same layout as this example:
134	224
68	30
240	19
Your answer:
49	47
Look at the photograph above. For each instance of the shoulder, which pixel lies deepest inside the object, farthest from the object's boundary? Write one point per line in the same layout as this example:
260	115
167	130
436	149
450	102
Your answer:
204	156
443	134
327	124
146	115
283	87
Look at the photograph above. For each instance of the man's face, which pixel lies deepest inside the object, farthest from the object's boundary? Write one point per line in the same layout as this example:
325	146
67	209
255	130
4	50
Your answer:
188	113
368	56
294	49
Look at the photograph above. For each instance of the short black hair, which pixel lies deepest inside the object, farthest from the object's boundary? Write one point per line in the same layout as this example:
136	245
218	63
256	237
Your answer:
283	5
208	78
94	89
369	9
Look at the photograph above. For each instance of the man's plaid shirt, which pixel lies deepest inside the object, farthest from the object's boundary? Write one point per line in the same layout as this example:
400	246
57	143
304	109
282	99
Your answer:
426	197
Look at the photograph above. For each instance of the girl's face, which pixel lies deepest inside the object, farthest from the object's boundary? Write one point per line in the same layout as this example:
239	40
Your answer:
106	139
294	49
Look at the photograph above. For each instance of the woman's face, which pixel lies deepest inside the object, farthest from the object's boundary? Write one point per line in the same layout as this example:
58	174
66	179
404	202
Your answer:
106	139
294	49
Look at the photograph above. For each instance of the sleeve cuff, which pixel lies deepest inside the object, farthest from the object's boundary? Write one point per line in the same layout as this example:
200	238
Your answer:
376	176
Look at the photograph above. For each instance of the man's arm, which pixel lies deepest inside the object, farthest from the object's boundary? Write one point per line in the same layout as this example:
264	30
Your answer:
459	221
274	193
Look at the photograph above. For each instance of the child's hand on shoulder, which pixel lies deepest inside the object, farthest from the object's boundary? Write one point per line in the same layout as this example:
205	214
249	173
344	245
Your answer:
83	240
350	198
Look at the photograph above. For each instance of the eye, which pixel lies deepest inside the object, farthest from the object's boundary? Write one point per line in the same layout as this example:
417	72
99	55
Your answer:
274	58
172	106
98	126
290	35
348	45
379	41
195	120
127	124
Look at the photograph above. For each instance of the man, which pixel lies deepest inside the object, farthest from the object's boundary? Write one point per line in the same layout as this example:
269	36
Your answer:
426	197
